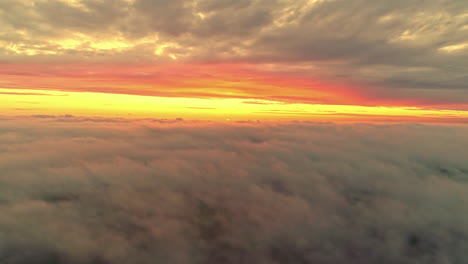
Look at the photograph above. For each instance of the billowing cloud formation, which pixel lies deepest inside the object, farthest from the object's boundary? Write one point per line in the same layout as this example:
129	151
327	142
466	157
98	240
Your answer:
77	190
400	52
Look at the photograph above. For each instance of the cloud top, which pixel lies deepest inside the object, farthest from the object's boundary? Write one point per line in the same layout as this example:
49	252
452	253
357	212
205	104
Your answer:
76	190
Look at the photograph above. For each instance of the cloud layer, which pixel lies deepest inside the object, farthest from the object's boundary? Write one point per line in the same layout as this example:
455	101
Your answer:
76	190
398	51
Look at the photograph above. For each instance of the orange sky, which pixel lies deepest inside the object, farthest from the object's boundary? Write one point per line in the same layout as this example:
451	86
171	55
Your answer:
203	91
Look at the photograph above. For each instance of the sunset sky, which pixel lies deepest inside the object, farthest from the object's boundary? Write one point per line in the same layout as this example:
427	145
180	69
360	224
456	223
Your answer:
233	131
236	59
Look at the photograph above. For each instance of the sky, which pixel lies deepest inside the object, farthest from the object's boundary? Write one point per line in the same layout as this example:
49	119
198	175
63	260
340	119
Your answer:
322	60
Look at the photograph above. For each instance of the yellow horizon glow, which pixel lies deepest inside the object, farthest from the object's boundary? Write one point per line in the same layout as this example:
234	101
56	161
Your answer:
35	102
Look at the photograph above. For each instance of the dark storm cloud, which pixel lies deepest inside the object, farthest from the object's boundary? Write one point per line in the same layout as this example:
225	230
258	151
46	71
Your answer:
403	49
191	192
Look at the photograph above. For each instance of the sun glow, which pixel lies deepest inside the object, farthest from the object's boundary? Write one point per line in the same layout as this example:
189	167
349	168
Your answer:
36	102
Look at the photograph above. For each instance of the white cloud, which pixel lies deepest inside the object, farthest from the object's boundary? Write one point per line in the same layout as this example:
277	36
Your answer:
75	190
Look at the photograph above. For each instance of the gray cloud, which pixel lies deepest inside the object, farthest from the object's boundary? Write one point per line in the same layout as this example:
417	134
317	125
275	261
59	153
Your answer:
89	16
74	190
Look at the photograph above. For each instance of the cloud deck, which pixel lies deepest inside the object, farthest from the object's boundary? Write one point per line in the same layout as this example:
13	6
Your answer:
185	192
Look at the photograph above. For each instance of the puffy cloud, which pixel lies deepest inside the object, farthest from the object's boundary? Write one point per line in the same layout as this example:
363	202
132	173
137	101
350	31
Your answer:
80	190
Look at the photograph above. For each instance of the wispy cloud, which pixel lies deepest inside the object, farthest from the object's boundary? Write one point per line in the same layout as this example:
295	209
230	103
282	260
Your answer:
35	94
